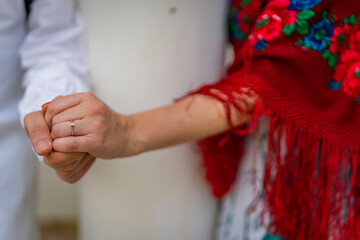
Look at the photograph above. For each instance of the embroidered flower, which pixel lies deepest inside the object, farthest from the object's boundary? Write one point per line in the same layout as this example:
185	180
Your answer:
272	21
303	4
260	45
355	38
348	72
320	34
243	14
341	34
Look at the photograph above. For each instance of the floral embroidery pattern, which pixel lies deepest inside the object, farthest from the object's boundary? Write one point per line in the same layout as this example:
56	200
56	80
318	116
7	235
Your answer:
347	72
338	41
320	34
272	21
241	21
303	4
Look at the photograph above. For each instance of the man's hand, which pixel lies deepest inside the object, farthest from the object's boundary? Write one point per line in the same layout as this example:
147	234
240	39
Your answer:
70	167
39	133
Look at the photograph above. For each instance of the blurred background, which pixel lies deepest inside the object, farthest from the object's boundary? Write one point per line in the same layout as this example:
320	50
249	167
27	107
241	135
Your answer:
142	54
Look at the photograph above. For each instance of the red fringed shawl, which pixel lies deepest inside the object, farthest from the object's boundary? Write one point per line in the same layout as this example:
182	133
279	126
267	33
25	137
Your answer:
302	58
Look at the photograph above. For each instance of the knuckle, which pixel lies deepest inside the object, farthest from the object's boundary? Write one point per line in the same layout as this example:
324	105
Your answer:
52	105
88	95
98	124
57	98
56	119
97	109
56	131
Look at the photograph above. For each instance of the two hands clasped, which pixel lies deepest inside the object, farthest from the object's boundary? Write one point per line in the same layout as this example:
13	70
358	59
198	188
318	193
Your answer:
97	132
72	131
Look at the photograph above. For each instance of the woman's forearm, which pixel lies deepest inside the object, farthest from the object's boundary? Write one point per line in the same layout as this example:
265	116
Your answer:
83	123
192	118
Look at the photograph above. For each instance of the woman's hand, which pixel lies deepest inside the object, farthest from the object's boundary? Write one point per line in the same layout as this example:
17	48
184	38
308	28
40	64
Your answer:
103	133
98	130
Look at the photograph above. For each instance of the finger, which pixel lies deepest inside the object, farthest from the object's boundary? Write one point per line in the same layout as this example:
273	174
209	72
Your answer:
73	113
66	167
64	129
45	106
81	164
38	132
60	104
57	160
73	144
78	175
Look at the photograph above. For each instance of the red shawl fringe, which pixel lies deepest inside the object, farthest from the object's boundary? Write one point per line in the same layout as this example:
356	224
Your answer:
311	180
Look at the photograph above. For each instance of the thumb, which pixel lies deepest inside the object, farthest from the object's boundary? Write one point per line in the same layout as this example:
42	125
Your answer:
39	133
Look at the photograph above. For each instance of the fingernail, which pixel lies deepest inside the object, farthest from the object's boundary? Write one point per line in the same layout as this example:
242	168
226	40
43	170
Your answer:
42	145
42	106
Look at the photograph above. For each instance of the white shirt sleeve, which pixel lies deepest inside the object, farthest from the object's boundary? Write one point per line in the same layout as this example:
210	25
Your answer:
53	54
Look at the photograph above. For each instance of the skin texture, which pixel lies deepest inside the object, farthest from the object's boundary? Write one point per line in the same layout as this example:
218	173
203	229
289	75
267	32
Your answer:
100	132
70	167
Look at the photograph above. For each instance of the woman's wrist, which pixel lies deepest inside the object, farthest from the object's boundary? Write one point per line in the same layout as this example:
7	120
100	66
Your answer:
130	136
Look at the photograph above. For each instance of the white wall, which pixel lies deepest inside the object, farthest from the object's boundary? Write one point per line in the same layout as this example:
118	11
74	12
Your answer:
56	199
144	54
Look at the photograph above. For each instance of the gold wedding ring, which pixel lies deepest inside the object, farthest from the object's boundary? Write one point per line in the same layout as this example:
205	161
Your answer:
72	124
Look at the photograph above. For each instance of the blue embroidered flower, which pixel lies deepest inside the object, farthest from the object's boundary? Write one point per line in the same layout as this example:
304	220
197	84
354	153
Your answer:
235	29
320	34
260	45
335	85
303	4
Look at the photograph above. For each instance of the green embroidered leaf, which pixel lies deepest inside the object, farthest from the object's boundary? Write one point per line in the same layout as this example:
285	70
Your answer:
245	2
302	27
289	29
246	19
333	19
244	36
305	15
326	54
357	73
332	60
301	42
341	39
325	14
307	47
262	23
352	19
346	21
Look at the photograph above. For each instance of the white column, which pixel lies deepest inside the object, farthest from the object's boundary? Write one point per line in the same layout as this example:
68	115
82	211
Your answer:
143	54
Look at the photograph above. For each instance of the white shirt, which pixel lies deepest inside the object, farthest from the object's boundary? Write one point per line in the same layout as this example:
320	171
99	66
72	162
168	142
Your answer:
53	54
50	50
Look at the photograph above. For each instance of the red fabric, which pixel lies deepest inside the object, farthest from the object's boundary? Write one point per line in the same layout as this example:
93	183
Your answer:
313	192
